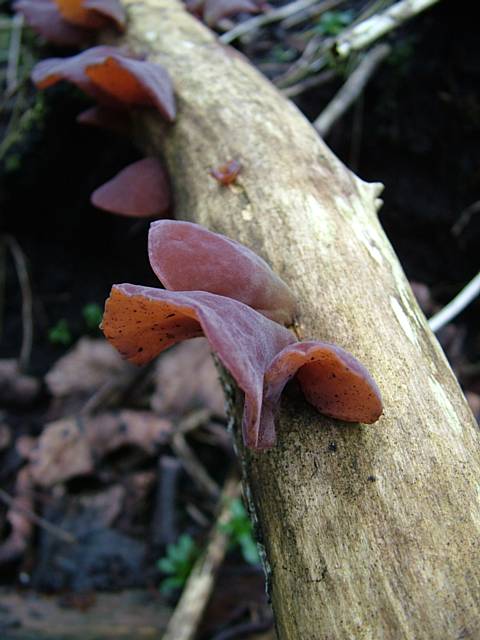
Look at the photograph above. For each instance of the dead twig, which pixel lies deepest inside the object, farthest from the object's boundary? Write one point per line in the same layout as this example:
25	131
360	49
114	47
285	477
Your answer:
164	525
27	303
457	305
193	466
309	83
362	34
14	54
184	622
274	15
52	529
310	12
351	90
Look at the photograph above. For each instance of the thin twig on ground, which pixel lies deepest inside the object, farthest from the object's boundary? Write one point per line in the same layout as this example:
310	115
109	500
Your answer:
310	12
362	34
27	301
14	54
184	622
274	15
193	466
457	305
309	83
52	529
351	90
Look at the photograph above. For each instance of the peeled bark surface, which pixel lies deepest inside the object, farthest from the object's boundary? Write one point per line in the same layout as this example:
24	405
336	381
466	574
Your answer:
369	531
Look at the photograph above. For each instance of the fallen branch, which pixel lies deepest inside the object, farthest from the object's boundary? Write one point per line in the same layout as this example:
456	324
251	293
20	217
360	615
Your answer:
362	34
456	306
364	528
195	596
351	90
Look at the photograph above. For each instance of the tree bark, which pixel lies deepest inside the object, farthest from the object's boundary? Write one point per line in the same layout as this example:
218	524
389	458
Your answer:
369	531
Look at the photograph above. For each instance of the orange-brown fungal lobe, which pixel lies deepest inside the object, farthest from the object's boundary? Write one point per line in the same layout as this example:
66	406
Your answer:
141	190
332	380
45	19
134	82
92	14
186	257
226	173
112	77
141	322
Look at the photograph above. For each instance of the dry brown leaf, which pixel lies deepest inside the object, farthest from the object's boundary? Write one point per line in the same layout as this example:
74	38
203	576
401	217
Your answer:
62	452
143	429
186	379
16	388
88	365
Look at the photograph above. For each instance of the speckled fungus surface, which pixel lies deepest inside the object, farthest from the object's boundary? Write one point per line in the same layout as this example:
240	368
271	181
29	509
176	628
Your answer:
260	354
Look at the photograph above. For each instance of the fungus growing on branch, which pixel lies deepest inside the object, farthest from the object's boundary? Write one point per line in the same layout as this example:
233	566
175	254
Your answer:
92	14
141	190
226	173
112	77
45	19
260	354
70	22
188	257
141	322
332	380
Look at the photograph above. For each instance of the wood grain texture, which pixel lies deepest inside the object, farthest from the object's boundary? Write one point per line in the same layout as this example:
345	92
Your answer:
370	531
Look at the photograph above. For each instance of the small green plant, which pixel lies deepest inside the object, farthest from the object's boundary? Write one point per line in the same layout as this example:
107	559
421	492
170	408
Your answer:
239	530
331	23
92	314
178	563
60	333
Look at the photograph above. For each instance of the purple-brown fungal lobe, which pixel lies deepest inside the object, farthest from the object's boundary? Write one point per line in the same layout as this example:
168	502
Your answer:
112	77
332	380
45	19
187	257
92	14
141	322
226	173
113	119
141	190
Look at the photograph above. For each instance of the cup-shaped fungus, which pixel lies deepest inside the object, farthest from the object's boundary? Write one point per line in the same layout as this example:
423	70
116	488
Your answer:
92	14
45	19
141	190
112	77
188	257
141	322
331	379
70	22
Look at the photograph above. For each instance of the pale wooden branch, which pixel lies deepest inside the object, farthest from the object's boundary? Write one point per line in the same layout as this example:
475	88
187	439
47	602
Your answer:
364	33
457	305
195	596
369	531
351	90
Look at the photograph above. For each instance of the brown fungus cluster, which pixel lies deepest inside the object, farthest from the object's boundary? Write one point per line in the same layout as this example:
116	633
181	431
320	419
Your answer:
218	288
119	82
71	22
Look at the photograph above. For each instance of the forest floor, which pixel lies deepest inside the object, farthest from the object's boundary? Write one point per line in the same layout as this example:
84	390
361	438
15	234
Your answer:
116	473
